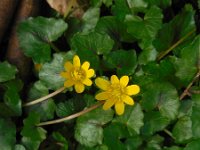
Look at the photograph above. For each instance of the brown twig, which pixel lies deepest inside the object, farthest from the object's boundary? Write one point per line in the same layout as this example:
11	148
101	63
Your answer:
186	91
71	116
163	54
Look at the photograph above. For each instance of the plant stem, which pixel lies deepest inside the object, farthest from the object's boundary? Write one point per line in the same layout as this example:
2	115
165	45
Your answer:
185	92
53	46
163	54
71	116
169	133
45	97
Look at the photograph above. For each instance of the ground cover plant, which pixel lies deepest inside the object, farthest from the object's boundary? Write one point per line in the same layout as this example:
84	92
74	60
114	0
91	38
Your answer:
104	75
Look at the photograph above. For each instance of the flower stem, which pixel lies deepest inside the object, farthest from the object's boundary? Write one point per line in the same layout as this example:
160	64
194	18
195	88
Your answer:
169	133
163	54
45	97
71	116
186	91
53	46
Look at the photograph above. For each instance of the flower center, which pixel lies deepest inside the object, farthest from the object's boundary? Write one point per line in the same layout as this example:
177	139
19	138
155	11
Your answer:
78	74
116	91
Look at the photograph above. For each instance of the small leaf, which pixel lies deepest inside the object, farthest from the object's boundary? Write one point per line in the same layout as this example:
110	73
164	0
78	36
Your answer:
7	134
46	108
186	68
194	145
35	34
132	118
90	18
50	72
12	98
89	131
161	3
163	96
146	28
59	138
133	143
7	71
154	143
195	121
182	130
64	109
124	61
32	135
19	147
153	122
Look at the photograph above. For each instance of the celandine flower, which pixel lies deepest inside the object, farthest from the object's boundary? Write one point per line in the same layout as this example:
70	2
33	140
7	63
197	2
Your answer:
77	74
116	92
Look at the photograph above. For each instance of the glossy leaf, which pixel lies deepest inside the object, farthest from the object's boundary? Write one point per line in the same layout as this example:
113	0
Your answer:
194	145
35	34
7	71
7	134
132	118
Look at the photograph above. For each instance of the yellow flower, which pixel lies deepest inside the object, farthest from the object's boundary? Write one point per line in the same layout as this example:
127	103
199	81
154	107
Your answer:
116	92
77	74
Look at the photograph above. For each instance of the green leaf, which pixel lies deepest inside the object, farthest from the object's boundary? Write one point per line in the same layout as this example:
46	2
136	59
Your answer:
194	145
88	130
7	71
116	29
59	138
12	98
120	9
153	122
188	63
89	50
35	34
162	96
64	109
90	18
173	148
124	61
146	28
113	134
32	135
50	72
161	3
154	143
195	121
182	130
133	143
185	108
46	108
7	134
136	5
176	29
132	118
19	147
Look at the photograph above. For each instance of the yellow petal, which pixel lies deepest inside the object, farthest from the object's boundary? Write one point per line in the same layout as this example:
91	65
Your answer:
102	83
85	65
119	108
68	65
87	82
102	96
68	83
114	79
108	104
127	99
124	80
90	73
79	87
65	75
76	61
132	89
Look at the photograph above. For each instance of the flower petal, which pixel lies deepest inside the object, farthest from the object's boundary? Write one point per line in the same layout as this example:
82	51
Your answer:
85	65
79	87
102	96
102	83
127	99
87	82
132	90
68	83
68	65
114	79
108	104
119	108
63	74
76	61
124	80
90	73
